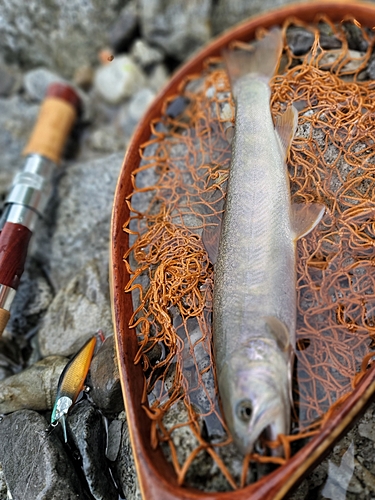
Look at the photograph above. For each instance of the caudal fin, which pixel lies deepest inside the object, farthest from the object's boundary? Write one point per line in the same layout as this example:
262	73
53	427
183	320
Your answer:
260	60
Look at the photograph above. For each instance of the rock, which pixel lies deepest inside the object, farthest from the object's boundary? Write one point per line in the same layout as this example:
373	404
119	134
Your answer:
131	113
10	354
16	121
47	33
114	439
177	27
226	13
82	220
8	81
118	79
84	77
107	139
76	313
122	31
34	388
144	54
3	486
85	427
36	82
35	463
158	77
104	379
33	298
299	40
124	466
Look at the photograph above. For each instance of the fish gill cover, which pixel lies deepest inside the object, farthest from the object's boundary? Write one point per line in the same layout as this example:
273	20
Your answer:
182	182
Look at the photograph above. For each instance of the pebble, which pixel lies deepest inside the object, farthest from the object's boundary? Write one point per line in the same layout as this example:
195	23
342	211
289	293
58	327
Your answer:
34	388
139	103
158	77
124	28
177	27
35	464
118	79
76	313
83	77
104	379
144	54
86	429
36	82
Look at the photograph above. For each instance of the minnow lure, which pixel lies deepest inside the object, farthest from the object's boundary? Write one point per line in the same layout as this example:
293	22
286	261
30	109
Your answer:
71	383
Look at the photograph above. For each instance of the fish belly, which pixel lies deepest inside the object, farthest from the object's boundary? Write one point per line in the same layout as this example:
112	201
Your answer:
255	269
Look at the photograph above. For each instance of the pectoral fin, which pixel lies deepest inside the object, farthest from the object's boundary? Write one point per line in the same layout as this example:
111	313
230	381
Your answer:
211	240
305	216
279	331
285	126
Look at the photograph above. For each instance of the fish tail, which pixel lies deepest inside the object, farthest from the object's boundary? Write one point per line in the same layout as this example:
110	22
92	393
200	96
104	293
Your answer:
260	61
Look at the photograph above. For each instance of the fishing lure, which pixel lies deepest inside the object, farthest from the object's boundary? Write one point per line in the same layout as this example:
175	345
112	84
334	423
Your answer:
71	383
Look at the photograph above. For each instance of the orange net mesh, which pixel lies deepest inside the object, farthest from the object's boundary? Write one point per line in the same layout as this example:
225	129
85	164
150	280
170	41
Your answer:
182	182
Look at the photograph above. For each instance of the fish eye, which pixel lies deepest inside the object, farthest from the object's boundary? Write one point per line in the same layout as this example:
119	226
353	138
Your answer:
244	410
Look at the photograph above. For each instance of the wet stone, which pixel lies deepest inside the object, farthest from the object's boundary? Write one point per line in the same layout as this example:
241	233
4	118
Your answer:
86	429
114	439
125	472
34	388
35	463
104	379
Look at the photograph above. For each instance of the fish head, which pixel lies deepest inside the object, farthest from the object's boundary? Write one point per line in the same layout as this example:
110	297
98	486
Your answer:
255	401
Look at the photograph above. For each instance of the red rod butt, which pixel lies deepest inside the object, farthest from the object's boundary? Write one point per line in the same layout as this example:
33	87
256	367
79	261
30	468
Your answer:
66	93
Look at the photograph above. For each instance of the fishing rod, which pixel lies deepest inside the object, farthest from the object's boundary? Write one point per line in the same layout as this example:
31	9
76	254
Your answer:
32	187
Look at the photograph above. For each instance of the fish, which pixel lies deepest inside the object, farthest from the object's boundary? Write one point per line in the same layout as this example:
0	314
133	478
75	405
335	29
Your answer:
71	383
254	302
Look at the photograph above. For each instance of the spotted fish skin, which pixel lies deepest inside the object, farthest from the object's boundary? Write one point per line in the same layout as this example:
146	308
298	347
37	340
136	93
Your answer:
254	309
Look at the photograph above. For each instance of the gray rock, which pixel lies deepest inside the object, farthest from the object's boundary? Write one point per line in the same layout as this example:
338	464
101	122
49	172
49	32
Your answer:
76	313
122	31
3	486
124	465
47	33
8	81
144	54
34	388
226	13
85	427
36	82
107	139
118	79
83	219
158	77
114	439
178	27
16	121
104	379
140	103
35	464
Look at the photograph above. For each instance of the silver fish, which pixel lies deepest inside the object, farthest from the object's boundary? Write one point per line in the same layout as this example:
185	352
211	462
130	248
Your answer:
254	311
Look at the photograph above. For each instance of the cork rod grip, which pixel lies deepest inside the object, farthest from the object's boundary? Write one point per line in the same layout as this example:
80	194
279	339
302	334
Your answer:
55	120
